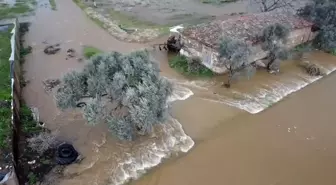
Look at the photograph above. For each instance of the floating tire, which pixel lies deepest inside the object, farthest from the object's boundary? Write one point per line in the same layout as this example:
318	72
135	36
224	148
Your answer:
66	154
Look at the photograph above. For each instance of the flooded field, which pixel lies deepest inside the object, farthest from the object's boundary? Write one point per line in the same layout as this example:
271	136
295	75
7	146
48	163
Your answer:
168	11
223	139
291	143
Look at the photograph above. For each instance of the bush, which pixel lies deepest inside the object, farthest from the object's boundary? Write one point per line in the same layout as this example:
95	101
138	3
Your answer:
322	14
126	91
190	66
42	142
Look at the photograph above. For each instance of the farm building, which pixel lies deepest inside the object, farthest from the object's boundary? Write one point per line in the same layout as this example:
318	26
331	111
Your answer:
203	40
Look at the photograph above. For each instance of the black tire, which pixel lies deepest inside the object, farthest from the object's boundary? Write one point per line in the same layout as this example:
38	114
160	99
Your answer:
66	154
81	104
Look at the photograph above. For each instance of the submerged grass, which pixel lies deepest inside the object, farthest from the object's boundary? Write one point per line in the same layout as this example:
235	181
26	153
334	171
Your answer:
20	7
126	21
5	87
180	63
52	4
90	51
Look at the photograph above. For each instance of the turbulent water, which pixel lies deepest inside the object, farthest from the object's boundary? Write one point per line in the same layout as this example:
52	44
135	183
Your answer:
269	94
201	105
174	140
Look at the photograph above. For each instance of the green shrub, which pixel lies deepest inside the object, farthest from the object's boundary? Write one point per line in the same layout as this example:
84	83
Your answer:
192	67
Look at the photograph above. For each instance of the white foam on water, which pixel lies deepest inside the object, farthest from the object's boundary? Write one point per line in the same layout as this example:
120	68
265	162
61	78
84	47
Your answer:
176	29
202	85
174	140
265	97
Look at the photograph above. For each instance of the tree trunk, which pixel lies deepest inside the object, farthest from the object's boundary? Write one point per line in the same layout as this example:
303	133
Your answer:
228	84
271	61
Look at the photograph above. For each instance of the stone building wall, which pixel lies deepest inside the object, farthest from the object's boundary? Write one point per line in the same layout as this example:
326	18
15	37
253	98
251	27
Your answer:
209	56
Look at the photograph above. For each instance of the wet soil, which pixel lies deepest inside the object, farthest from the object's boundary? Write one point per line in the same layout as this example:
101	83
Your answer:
35	166
289	143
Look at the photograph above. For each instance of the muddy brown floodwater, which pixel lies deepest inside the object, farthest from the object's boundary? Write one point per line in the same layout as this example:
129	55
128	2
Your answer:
291	143
242	135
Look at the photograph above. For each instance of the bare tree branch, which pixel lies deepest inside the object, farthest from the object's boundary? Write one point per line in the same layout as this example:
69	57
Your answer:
270	5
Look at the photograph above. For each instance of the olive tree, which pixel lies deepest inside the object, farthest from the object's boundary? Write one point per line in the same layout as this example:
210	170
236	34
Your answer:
273	40
126	91
323	14
234	54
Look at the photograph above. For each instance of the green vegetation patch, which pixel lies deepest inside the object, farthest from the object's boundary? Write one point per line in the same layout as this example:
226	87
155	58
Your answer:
5	129
5	87
90	51
79	3
20	7
52	4
29	125
190	67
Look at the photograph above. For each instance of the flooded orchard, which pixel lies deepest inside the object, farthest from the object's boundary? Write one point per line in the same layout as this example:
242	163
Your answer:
242	135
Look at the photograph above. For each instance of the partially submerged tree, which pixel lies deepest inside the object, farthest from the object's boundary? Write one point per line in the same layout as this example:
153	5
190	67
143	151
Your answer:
273	40
323	14
126	91
234	56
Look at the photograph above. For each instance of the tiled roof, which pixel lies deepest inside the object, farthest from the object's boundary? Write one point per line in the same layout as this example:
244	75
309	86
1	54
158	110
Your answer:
246	27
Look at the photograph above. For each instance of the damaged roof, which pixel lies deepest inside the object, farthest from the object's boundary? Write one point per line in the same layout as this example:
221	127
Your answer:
246	27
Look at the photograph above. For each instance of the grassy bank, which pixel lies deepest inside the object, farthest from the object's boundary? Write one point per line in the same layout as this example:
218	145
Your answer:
52	4
5	88
189	67
20	7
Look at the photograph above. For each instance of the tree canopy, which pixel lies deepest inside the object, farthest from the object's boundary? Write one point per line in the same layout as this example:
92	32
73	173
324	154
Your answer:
273	39
323	14
234	55
126	91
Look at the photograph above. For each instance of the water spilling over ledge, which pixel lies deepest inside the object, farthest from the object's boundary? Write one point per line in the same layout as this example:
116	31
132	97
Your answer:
172	140
267	94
